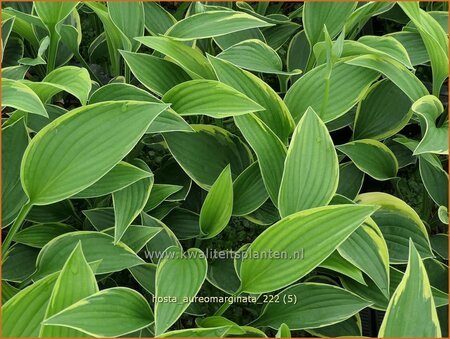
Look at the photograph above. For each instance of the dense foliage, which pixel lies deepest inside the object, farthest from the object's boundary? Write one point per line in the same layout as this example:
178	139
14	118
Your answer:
224	169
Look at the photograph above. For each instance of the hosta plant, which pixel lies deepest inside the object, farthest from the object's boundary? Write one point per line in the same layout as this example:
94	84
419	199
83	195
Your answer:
224	169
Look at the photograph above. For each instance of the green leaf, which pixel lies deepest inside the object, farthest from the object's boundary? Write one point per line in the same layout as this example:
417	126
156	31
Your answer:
398	222
18	263
73	80
129	18
249	192
87	315
380	301
130	201
14	142
346	82
14	72
270	151
311	169
157	19
276	115
159	193
213	23
184	223
166	121
435	40
210	145
135	236
385	47
435	139
394	71
190	59
276	36
19	96
414	45
114	37
51	13
413	293
440	244
335	262
145	275
120	176
96	246
38	235
367	250
45	175
210	98
371	157
255	55
350	180
163	240
100	218
218	205
38	60
298	233
222	274
75	282
22	314
298	307
434	178
350	327
7	26
283	331
355	22
187	273
158	75
332	15
211	332
383	112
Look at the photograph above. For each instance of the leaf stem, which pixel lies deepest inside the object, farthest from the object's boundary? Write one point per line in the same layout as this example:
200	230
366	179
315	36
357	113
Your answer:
15	227
226	305
52	50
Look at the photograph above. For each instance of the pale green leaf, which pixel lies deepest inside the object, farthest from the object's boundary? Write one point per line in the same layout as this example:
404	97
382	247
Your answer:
413	293
293	235
255	55
213	23
394	71
190	59
96	246
209	97
311	169
435	139
19	96
158	75
88	314
46	175
218	205
346	82
38	235
120	176
75	282
130	201
276	115
186	272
